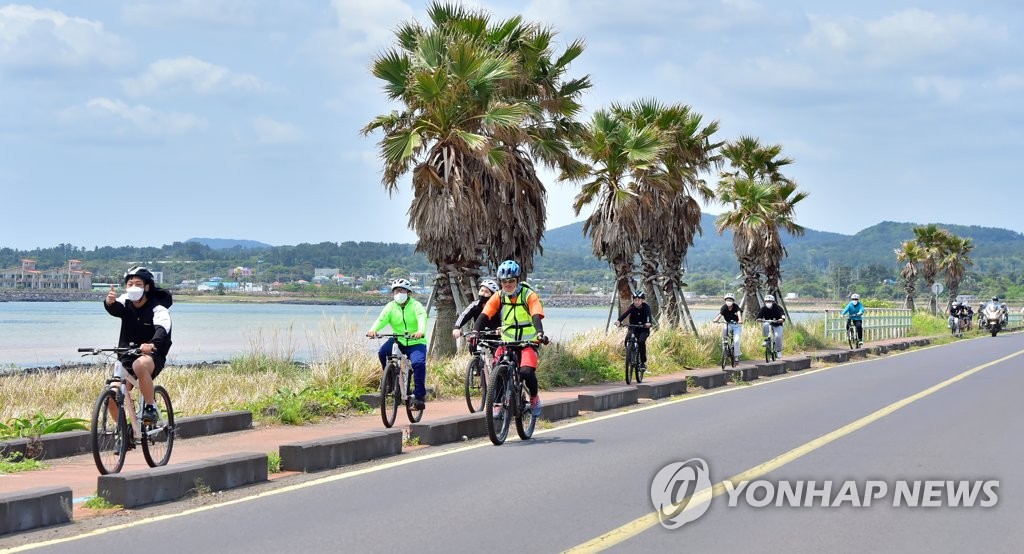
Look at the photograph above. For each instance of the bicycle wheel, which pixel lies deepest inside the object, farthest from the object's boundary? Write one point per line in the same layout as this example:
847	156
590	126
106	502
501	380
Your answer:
725	352
389	395
768	349
525	422
158	439
732	350
851	337
637	372
109	434
498	423
476	385
414	415
630	356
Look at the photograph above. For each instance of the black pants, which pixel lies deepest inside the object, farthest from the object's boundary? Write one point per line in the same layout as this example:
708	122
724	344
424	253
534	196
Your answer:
860	328
641	339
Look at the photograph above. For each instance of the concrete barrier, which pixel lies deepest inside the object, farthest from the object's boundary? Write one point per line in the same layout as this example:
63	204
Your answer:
329	453
661	389
372	399
859	353
768	369
212	424
54	445
744	372
798	364
709	378
609	399
34	508
880	349
450	429
162	484
560	409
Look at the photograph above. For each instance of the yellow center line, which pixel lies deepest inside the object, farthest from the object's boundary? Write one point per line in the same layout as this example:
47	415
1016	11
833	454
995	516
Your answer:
641	524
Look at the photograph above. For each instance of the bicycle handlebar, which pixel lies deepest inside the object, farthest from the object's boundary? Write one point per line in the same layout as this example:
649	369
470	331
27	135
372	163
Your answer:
634	326
118	350
511	343
391	335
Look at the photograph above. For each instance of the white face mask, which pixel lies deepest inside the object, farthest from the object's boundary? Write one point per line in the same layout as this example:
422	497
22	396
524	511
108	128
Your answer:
135	293
401	297
769	304
728	302
854	302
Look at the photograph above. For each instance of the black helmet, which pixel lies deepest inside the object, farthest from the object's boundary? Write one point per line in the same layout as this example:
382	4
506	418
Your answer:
639	294
140	272
995	299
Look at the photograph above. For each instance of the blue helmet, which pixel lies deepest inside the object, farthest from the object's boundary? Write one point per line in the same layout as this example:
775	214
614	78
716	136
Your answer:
509	269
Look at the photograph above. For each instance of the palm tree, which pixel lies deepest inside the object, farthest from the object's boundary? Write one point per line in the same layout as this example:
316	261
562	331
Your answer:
481	103
931	240
753	160
787	199
622	154
671	213
955	262
910	255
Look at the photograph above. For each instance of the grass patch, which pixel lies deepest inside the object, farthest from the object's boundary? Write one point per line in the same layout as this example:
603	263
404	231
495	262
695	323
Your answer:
15	462
99	503
273	462
411	441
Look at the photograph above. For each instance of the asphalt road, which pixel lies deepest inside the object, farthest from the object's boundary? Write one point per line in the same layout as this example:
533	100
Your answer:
576	483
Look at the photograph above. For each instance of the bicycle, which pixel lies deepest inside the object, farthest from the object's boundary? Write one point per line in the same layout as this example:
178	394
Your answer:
728	346
478	371
396	386
956	327
111	440
633	367
507	391
851	334
770	352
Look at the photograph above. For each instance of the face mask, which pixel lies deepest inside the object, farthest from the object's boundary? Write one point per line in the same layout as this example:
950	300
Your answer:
855	302
135	293
401	297
769	304
728	302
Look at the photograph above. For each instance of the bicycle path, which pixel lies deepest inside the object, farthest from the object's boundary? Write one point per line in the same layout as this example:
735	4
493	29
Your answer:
80	473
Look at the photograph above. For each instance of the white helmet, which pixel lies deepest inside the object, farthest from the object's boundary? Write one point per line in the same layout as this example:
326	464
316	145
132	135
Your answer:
769	298
729	296
489	284
854	296
401	284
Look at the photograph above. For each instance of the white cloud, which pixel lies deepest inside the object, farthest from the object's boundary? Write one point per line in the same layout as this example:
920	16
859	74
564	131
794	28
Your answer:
219	12
946	89
363	27
134	118
270	131
33	38
191	75
911	35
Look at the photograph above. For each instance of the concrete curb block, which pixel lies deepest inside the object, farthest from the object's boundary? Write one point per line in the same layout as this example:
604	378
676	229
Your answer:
162	484
769	369
450	429
710	378
745	372
343	450
372	399
880	349
72	443
798	364
661	389
859	353
212	424
34	508
560	409
610	399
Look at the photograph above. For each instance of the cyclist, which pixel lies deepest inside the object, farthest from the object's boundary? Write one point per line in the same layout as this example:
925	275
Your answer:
639	313
855	311
956	312
521	314
145	322
488	287
405	315
733	316
773	316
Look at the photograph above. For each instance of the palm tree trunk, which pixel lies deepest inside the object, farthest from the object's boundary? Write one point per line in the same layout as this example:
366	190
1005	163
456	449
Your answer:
672	307
751	286
686	311
442	344
623	270
649	267
909	285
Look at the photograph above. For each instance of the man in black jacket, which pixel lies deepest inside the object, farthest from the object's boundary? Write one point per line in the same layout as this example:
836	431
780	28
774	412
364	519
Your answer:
488	287
639	313
145	324
772	316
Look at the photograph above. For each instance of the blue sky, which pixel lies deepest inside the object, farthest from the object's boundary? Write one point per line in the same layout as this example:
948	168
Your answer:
152	122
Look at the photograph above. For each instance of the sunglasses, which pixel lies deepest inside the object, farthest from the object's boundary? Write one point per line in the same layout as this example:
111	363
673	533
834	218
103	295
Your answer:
512	280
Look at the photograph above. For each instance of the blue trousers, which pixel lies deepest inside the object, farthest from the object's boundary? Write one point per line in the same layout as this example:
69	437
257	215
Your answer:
417	355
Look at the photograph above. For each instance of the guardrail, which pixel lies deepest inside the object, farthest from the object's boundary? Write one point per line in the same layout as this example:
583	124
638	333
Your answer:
878	323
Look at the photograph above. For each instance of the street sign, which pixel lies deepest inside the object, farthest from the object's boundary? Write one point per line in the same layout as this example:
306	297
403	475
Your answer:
937	288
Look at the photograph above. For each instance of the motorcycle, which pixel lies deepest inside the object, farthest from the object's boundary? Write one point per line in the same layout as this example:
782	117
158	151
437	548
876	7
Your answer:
992	318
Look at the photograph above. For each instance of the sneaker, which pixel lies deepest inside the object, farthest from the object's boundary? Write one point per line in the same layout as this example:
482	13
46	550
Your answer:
150	415
418	404
535	406
643	367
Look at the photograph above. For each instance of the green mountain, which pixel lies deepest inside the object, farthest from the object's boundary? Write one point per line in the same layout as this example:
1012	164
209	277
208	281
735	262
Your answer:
226	244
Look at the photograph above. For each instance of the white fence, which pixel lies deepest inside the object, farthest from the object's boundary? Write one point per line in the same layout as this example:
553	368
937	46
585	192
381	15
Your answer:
879	323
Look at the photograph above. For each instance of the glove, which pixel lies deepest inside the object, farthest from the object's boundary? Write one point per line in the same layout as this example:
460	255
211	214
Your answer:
543	339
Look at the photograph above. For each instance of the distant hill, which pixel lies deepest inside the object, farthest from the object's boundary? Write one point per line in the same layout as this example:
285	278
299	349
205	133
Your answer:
995	249
228	244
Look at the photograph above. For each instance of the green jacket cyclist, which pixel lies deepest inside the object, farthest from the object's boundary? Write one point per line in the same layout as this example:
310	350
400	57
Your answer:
405	315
